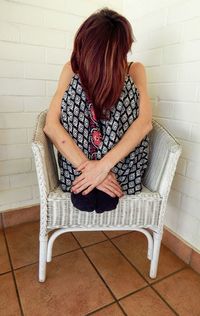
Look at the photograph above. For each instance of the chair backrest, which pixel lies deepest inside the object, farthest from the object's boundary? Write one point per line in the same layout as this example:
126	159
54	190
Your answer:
163	157
44	154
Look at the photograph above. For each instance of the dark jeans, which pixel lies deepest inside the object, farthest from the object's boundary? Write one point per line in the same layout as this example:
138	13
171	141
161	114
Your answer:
94	200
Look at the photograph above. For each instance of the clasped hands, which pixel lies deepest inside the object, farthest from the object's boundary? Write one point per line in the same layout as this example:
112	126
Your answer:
96	174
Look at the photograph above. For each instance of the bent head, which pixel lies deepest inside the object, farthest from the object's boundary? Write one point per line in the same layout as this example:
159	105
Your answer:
99	56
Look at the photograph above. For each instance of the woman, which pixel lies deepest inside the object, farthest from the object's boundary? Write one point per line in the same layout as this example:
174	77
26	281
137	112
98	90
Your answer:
103	104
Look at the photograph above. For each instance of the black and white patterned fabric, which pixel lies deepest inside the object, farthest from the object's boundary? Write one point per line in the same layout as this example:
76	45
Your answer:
74	118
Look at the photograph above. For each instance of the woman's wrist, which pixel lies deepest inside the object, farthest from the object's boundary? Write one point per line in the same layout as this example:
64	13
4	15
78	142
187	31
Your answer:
106	164
80	161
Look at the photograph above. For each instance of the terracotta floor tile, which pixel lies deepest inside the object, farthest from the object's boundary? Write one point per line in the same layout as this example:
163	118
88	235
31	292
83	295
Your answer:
23	242
89	237
145	302
134	247
4	259
72	287
111	310
9	305
120	276
182	292
195	261
114	233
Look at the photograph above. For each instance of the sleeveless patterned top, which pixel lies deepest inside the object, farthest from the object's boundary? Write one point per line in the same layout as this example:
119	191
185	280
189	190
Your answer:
96	138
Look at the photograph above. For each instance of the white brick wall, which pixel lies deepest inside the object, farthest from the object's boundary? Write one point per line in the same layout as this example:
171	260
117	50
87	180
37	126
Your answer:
168	43
36	39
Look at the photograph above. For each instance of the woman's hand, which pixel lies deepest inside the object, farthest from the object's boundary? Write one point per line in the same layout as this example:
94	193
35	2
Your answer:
111	186
93	173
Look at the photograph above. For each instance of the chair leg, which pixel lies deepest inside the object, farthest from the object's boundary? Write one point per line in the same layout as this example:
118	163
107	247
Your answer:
43	258
51	240
156	252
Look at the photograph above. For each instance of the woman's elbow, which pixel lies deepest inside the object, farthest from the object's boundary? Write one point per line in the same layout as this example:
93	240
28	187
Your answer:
150	125
48	129
147	127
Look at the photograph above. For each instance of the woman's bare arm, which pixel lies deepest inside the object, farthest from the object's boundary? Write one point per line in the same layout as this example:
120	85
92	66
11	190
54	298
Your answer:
140	127
54	129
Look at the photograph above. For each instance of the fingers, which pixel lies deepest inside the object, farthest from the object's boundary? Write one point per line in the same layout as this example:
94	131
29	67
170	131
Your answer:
112	192
112	187
106	190
114	181
89	189
116	184
112	177
78	179
115	189
81	185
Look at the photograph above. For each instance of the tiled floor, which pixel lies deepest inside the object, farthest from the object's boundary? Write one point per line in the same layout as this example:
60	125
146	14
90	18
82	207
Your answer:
92	273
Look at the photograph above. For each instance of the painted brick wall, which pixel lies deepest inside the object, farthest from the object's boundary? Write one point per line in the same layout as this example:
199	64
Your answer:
36	39
168	44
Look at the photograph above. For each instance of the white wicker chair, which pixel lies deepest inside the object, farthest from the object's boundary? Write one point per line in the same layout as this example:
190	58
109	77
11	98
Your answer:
142	212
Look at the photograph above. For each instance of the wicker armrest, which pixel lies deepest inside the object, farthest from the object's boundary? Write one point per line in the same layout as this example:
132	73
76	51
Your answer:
45	160
163	157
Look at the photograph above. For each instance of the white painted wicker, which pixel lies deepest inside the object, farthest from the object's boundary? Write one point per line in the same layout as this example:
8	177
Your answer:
134	212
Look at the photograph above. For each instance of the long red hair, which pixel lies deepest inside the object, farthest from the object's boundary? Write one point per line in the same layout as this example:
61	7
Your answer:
99	57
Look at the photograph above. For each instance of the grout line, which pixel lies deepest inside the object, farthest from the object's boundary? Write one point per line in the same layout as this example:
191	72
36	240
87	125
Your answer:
116	299
99	274
36	262
83	250
162	298
58	255
12	271
169	275
6	272
158	293
126	233
133	292
101	308
149	284
129	261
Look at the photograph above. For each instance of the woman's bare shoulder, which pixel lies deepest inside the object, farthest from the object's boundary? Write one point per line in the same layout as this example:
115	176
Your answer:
64	78
68	65
136	66
68	68
62	85
137	72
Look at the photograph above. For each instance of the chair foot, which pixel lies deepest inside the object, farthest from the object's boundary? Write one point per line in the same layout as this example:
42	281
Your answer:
43	258
156	252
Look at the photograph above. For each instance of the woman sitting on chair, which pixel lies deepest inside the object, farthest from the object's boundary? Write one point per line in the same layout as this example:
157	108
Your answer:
100	115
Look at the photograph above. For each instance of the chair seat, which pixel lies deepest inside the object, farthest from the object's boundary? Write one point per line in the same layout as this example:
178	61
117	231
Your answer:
140	209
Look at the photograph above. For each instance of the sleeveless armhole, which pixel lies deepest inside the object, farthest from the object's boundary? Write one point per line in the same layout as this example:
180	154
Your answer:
129	66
